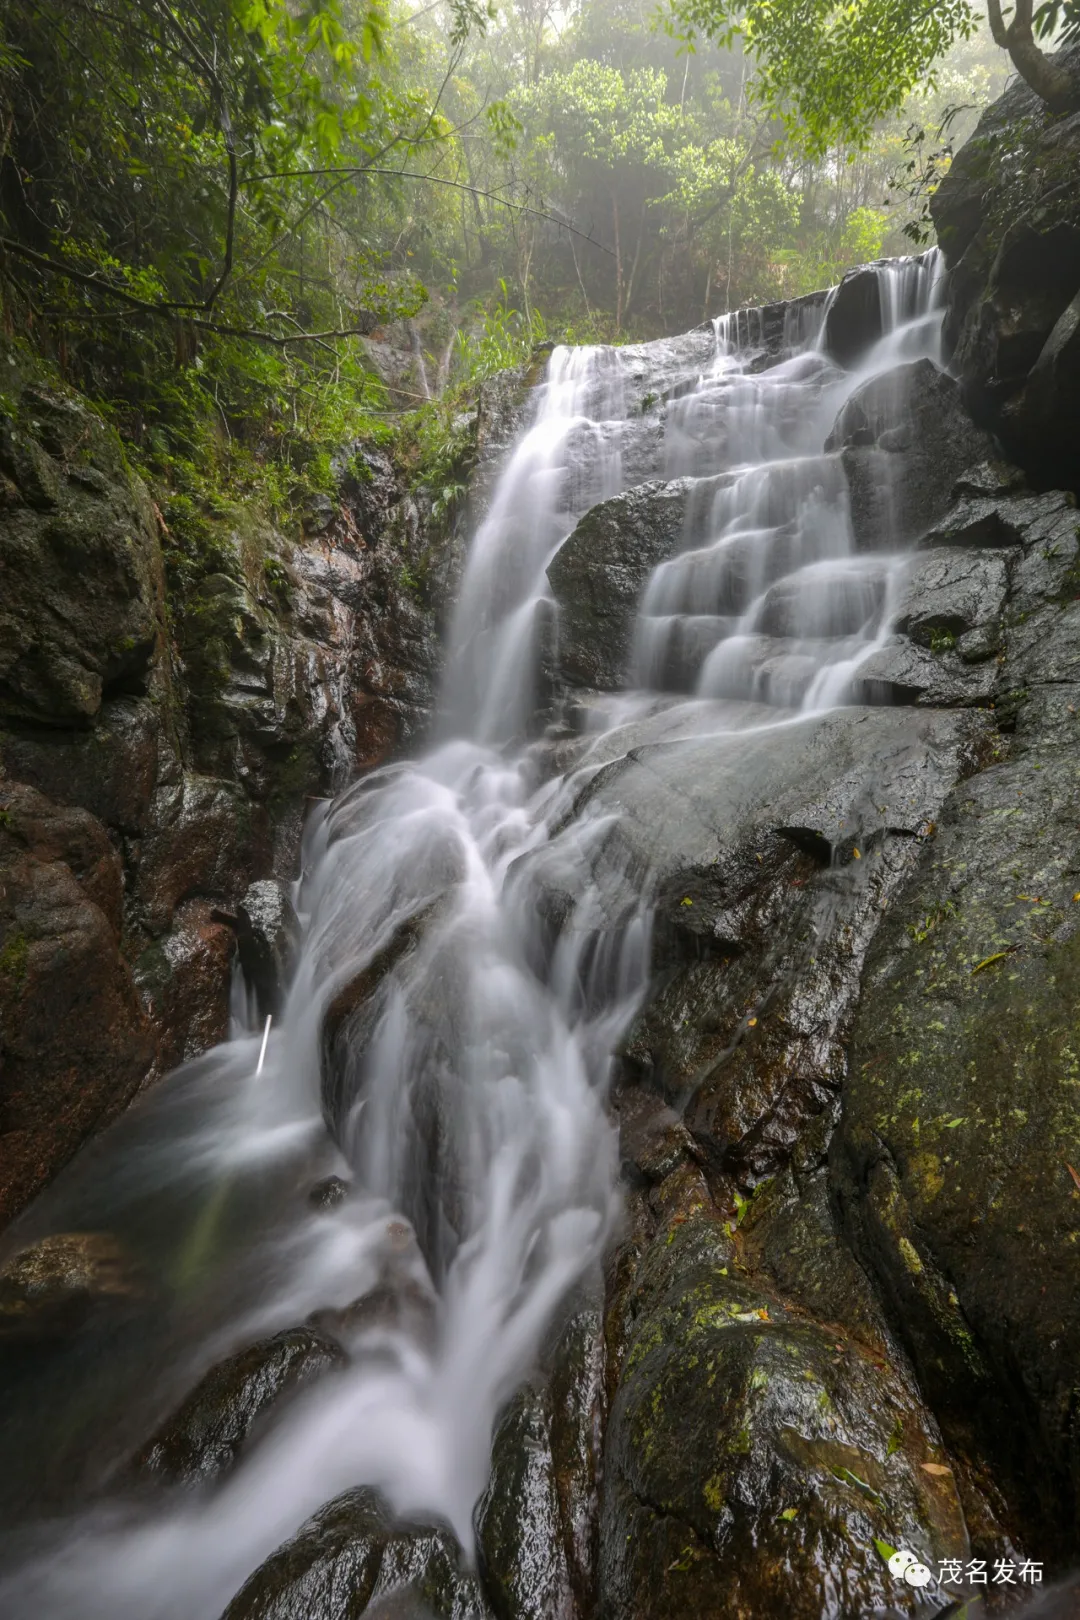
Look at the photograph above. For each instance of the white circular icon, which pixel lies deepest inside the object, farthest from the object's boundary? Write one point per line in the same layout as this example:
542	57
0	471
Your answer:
901	1561
917	1575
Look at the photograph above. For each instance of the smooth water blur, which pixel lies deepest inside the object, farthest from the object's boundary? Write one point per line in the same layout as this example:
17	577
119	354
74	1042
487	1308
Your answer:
466	1097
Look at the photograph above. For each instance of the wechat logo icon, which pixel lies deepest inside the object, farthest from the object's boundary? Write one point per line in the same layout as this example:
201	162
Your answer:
907	1567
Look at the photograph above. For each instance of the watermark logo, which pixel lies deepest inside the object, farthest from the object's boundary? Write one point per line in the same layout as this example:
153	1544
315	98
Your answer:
904	1565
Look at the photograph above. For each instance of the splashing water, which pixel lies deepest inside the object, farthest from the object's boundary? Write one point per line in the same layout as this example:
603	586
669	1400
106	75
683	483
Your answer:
456	1039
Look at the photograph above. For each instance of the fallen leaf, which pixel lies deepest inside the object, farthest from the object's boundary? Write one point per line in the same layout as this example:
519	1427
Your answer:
988	961
762	1314
686	901
935	1468
855	855
750	1022
789	1514
1073	1173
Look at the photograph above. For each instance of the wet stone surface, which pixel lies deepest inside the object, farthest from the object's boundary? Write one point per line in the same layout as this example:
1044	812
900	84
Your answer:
349	1560
204	1437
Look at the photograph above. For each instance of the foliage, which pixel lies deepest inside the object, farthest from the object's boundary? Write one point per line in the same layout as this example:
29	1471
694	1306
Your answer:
186	201
502	337
832	69
207	207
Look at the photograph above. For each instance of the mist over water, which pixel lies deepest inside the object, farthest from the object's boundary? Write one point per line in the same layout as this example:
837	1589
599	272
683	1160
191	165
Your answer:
468	1102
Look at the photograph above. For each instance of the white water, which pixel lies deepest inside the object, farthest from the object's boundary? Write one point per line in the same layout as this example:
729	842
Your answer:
470	1110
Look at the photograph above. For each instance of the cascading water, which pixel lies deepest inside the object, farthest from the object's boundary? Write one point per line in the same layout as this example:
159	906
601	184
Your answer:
459	1054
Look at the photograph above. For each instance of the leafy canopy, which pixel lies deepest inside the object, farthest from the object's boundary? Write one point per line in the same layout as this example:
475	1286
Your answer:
831	69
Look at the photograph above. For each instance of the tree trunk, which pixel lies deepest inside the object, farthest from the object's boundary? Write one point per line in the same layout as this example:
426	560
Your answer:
1053	84
618	265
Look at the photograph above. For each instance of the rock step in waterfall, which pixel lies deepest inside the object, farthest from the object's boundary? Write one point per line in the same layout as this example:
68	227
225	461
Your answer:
375	1331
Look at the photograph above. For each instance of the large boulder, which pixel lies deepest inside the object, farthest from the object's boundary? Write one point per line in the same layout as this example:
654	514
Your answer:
854	318
48	1289
537	1523
1008	219
748	848
756	1460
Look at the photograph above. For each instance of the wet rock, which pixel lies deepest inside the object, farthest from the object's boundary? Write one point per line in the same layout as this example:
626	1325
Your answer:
47	1289
110	770
577	1426
755	1454
1042	419
328	1193
351	1017
902	483
518	1518
788	1234
48	832
202	842
204	1436
750	853
949	593
402	1303
74	1043
327	1569
977	522
598	575
422	1573
959	1122
938	676
80	567
184	980
370	485
348	1561
268	938
1008	220
854	319
318	515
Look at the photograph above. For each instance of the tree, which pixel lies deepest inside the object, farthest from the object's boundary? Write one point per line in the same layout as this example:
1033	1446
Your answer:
832	69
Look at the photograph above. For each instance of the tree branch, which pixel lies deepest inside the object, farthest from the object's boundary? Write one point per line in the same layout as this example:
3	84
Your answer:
1051	83
433	180
169	312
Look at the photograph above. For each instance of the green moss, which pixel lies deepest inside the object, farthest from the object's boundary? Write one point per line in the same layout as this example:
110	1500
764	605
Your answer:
910	1256
13	961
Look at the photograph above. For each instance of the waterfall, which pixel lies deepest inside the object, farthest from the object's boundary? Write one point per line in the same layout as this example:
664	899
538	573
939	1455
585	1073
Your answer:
456	1038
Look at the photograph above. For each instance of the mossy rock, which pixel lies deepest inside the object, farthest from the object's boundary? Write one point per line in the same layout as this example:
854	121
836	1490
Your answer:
961	1121
754	1457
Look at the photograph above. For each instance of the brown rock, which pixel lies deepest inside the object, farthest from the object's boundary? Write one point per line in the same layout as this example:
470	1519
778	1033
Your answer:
184	983
202	842
74	1043
46	1288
